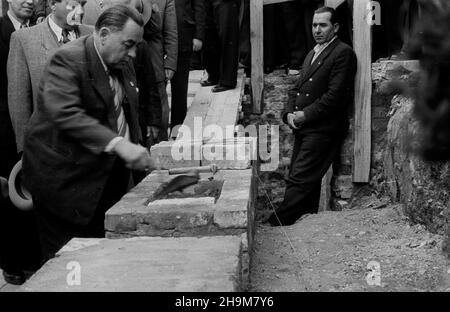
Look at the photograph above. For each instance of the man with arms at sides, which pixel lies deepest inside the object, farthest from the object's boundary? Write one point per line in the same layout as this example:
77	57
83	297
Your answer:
82	139
317	112
191	15
164	53
19	246
222	44
30	50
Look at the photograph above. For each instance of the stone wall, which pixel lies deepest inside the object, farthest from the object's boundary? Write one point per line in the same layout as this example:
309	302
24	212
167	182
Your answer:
422	187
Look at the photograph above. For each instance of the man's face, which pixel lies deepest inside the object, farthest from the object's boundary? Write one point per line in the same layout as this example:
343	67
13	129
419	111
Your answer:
69	11
22	9
323	30
119	47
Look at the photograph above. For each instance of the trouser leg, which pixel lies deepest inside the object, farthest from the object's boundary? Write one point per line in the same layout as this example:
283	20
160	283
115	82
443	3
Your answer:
226	15
179	86
312	156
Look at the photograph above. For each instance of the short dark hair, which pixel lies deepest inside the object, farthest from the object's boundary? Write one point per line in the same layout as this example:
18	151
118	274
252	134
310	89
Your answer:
117	16
326	9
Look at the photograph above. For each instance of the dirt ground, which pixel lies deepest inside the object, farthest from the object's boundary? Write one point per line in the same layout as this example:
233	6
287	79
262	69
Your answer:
363	249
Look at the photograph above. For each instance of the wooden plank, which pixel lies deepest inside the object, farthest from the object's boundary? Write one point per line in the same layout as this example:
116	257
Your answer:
199	109
266	2
256	38
325	191
333	3
362	44
231	108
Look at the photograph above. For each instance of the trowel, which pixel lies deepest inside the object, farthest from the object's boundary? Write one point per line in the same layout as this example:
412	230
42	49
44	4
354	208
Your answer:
187	176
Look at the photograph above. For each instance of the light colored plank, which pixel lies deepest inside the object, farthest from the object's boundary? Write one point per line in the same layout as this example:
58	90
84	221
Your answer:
362	45
256	38
333	3
198	110
325	191
266	2
231	108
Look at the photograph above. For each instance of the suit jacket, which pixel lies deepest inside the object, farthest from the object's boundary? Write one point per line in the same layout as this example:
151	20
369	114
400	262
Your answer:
30	50
324	90
191	15
165	48
7	141
64	164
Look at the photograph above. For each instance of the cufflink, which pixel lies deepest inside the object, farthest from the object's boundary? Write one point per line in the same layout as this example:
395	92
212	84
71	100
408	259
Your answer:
131	83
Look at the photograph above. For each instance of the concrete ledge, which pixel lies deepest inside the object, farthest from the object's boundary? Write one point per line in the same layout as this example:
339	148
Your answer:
144	264
231	214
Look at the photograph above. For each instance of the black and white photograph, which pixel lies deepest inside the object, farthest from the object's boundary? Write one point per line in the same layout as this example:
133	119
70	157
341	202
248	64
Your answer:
224	152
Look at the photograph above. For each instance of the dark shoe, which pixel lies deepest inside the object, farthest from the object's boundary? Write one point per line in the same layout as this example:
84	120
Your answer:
208	83
13	278
220	88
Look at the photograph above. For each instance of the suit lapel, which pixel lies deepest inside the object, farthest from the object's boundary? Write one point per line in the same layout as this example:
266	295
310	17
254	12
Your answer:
7	29
48	38
320	59
100	81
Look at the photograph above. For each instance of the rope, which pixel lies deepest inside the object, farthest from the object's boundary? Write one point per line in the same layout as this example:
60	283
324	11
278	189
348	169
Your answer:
300	275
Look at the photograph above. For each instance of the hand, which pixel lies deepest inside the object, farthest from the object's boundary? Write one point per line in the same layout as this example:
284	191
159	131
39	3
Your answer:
196	45
290	120
299	118
136	157
169	73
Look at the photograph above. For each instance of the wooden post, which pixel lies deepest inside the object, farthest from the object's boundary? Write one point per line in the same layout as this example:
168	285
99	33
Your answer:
362	44
333	3
257	54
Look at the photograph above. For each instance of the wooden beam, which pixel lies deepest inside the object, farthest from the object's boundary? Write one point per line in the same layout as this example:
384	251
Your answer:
266	2
333	3
325	191
257	53
362	44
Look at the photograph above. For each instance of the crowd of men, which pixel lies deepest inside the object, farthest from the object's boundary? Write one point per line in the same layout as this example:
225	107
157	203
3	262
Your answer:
83	96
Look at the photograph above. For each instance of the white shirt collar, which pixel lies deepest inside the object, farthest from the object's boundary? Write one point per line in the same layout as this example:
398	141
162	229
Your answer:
101	59
58	30
323	46
55	28
15	22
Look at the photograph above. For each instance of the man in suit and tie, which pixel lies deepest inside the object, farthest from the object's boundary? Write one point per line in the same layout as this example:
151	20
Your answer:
317	112
83	138
19	247
30	50
191	16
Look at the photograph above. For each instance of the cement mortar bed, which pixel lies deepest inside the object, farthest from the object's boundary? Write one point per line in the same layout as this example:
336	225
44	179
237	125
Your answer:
231	214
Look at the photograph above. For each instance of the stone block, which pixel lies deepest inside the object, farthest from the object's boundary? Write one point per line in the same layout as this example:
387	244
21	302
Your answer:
237	153
148	264
135	215
176	154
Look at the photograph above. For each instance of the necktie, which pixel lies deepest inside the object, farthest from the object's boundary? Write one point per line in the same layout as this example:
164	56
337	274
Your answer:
118	98
65	36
